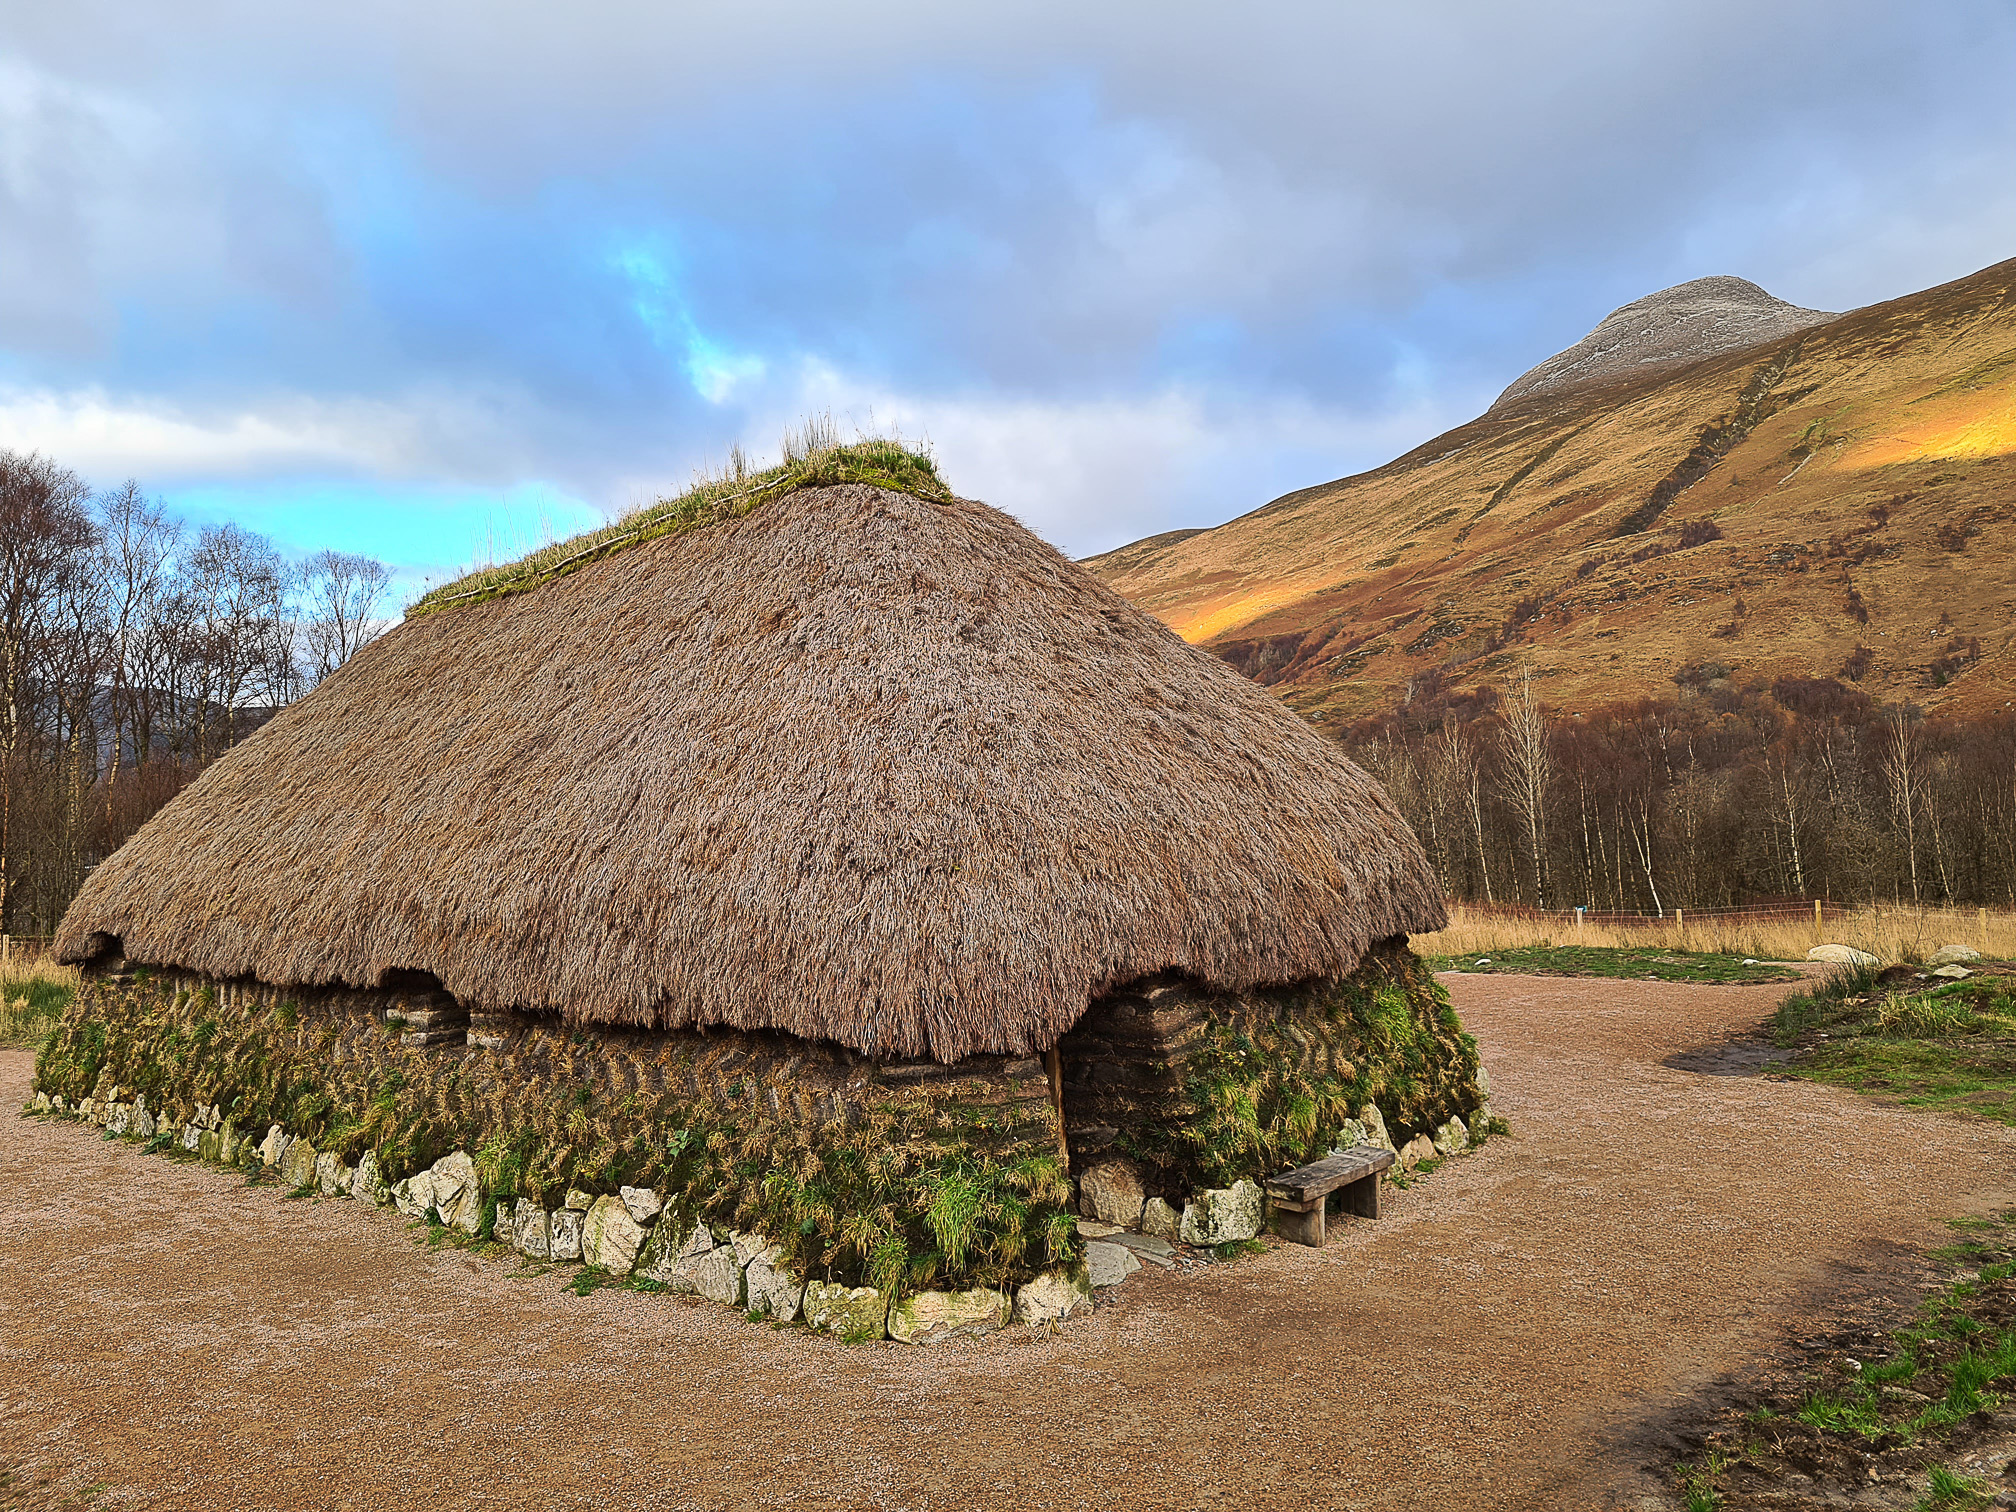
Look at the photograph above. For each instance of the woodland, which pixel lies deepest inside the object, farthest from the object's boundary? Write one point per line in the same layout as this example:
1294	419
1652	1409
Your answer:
135	648
1711	793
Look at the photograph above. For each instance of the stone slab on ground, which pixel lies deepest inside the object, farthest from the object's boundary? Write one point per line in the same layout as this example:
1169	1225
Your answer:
1108	1264
1149	1247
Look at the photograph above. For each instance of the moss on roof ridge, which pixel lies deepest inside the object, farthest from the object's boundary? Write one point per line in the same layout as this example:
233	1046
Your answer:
878	462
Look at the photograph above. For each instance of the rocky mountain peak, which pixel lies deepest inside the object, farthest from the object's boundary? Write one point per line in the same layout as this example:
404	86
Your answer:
1690	321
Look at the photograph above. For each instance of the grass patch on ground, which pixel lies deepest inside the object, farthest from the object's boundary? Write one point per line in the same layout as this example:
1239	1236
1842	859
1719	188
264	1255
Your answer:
1611	961
1907	1410
32	1001
1951	1046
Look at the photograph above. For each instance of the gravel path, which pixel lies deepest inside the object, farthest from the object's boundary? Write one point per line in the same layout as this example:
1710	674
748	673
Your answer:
1492	1343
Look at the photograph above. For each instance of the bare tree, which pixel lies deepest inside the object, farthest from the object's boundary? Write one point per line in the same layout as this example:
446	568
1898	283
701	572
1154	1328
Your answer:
1528	767
1904	771
140	539
46	534
237	632
342	595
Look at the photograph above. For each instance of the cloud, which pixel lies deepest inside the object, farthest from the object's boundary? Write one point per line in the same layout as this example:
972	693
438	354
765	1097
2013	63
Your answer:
1131	266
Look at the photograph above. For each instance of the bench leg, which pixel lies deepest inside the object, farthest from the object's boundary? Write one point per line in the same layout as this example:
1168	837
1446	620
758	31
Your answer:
1300	1225
1361	1197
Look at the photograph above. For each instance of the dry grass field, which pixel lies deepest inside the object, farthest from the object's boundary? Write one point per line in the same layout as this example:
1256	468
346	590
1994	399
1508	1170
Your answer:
1889	932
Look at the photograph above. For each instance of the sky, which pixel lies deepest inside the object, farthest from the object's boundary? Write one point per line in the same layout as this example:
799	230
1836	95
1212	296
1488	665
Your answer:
438	283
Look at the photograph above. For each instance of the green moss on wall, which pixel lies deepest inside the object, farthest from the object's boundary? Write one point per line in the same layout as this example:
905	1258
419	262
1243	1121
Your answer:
955	1183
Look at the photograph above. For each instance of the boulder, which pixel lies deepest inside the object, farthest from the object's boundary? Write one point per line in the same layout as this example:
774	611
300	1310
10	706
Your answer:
641	1203
414	1196
326	1167
610	1237
579	1200
932	1317
1452	1138
1050	1297
1953	955
119	1119
668	1246
715	1274
1375	1127
39	1103
1418	1149
773	1290
848	1312
210	1146
1222	1215
564	1235
143	1123
367	1183
1842	955
1952	973
192	1141
273	1148
458	1195
531	1230
747	1246
1158	1218
297	1168
1111	1192
1108	1264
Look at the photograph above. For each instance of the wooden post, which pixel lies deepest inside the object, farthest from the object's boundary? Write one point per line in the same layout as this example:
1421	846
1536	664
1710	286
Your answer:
7	949
1984	931
1053	1062
1679	928
1816	921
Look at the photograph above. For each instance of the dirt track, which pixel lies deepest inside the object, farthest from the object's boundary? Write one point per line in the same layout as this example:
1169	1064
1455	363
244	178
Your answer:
1494	1342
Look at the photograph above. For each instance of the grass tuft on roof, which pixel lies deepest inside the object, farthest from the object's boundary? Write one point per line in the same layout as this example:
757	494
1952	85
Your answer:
814	457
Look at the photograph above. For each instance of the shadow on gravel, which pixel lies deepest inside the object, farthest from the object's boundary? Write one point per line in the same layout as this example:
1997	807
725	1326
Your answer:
1731	1058
1849	1311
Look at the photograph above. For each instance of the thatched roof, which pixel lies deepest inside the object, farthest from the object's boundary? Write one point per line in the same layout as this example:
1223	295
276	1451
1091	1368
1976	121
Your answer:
858	766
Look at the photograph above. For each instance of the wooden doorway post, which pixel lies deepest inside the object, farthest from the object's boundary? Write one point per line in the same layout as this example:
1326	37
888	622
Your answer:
1053	1062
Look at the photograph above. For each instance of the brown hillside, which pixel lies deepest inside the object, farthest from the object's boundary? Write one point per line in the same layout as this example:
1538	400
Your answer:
1834	501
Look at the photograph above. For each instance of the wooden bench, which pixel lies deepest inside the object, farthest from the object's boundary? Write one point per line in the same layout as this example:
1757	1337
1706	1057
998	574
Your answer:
1300	1196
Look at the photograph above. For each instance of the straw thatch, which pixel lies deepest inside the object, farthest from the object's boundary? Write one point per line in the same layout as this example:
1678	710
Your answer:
859	766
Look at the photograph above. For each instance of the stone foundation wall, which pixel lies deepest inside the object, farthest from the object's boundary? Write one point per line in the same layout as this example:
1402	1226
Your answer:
901	1176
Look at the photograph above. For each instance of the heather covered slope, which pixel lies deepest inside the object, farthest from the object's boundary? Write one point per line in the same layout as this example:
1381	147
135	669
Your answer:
1832	501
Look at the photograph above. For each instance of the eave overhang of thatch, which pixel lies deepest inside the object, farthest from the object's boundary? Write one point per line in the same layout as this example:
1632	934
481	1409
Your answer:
860	767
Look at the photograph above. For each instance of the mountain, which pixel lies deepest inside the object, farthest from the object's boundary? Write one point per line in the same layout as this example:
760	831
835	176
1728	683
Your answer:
1713	484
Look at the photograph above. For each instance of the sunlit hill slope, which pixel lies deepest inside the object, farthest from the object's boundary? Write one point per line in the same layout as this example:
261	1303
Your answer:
1831	499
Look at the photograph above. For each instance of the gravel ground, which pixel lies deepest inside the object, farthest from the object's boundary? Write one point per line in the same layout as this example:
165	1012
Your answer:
1500	1339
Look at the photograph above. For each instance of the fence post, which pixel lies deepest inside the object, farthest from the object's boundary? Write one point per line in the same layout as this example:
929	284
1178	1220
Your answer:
1984	931
1679	924
1816	921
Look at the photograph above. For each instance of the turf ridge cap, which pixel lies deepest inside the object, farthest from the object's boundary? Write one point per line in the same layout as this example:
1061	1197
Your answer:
876	462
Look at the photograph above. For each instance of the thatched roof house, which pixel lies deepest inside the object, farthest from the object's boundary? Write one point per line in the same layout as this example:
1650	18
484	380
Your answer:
859	766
